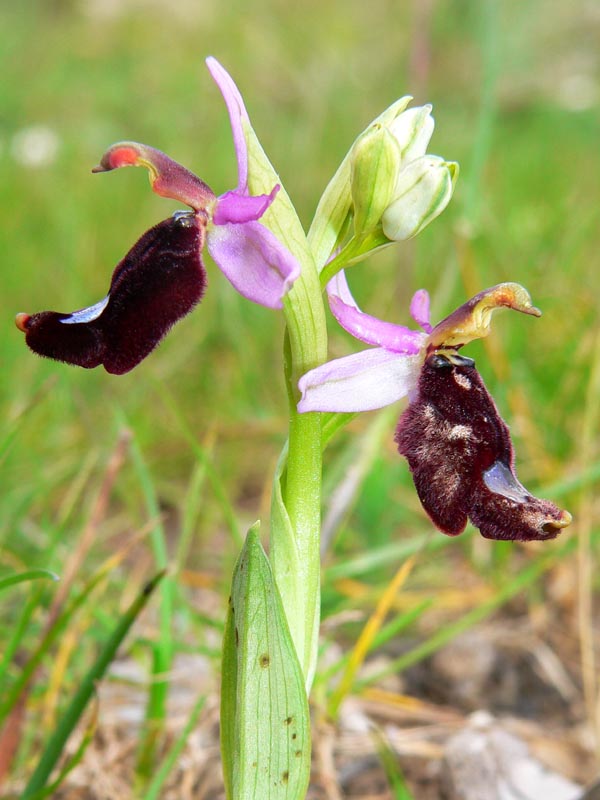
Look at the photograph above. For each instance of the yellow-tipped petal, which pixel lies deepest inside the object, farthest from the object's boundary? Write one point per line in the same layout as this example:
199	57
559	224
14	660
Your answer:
473	319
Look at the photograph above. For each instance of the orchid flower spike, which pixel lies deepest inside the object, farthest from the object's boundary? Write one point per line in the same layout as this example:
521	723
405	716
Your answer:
457	446
162	277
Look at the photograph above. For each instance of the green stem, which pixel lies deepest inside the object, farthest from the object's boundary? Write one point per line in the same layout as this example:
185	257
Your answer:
296	514
296	518
353	251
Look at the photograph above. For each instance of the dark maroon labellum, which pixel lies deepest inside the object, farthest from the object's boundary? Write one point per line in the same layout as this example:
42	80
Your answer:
461	457
159	281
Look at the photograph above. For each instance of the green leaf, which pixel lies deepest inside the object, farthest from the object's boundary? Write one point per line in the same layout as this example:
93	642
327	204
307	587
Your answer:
305	314
265	733
334	213
281	216
29	575
291	577
332	423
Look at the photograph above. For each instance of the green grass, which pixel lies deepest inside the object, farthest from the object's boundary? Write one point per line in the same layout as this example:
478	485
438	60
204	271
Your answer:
207	410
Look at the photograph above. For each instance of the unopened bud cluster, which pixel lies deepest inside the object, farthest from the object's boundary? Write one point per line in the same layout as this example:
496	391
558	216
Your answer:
394	182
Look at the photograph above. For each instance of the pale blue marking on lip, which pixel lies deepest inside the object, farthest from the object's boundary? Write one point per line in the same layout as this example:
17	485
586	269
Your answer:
86	314
500	480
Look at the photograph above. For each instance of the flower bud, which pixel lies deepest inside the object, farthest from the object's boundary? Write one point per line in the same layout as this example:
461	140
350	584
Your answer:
423	191
412	130
375	164
334	211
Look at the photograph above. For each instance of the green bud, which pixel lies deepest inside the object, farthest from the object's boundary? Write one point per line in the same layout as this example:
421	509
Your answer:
412	130
375	163
334	211
423	191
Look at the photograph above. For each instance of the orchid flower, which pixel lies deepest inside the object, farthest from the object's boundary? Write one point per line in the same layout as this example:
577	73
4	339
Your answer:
162	277
458	447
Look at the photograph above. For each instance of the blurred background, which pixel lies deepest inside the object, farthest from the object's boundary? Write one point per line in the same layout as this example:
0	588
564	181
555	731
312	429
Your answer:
515	89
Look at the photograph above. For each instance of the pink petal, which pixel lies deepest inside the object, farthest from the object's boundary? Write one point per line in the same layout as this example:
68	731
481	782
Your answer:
371	330
338	286
361	382
238	208
419	309
254	261
237	113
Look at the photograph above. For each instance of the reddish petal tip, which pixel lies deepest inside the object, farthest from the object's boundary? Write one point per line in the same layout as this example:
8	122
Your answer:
167	177
21	321
120	155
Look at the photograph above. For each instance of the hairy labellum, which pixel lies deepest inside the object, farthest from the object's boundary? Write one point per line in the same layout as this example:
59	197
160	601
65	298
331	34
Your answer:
159	281
461	457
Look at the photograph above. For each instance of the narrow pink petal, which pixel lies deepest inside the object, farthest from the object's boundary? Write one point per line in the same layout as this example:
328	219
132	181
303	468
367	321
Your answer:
366	328
254	261
419	309
338	286
361	382
237	113
239	208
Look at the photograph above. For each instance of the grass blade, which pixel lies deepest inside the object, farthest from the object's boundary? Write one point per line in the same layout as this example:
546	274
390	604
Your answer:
28	575
153	791
48	639
393	773
370	630
87	737
162	649
523	579
79	702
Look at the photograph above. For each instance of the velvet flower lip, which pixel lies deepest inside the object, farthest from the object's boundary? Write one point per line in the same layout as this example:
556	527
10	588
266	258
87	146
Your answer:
162	277
457	446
